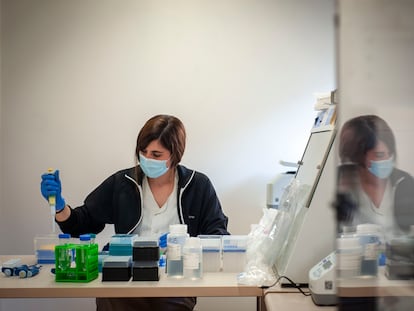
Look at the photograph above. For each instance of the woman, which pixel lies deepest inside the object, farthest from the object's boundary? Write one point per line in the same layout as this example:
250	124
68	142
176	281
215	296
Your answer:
146	199
384	194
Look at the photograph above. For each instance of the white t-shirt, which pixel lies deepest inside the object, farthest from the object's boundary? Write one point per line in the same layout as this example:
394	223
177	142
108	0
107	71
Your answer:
382	215
157	220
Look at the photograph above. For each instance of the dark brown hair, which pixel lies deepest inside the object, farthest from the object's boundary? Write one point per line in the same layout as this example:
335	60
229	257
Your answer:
361	134
169	130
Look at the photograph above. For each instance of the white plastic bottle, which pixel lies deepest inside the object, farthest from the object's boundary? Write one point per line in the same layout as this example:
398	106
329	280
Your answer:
175	242
193	258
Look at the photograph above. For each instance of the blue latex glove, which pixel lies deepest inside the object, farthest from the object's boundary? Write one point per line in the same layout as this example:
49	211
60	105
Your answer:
50	185
162	242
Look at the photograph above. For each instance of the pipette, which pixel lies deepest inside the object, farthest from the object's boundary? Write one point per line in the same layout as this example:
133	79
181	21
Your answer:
52	203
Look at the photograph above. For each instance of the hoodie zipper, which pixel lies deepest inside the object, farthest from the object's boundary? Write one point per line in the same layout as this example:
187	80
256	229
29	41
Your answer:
142	203
180	207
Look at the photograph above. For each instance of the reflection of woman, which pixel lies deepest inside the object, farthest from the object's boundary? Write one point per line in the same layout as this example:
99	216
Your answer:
386	194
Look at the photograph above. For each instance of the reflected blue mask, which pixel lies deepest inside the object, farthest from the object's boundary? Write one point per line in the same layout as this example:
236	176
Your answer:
382	169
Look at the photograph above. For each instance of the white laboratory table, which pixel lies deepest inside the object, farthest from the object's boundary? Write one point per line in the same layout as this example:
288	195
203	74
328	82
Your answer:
278	298
378	286
43	285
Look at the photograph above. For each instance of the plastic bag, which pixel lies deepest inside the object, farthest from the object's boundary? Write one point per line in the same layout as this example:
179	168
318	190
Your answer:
269	238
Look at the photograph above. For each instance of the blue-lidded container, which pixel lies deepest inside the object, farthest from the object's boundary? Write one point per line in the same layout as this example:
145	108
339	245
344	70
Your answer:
121	244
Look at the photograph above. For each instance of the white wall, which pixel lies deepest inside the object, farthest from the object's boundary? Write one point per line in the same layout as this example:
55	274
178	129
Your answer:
79	79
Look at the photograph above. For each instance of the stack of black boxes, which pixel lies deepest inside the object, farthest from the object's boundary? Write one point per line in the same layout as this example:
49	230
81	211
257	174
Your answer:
145	257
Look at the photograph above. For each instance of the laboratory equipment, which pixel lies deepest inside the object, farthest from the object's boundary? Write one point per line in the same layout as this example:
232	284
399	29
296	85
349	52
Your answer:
193	258
52	204
145	271
116	268
121	244
145	249
369	238
322	281
65	255
26	271
44	245
9	266
348	256
212	254
276	188
234	252
84	268
313	230
175	243
145	255
400	255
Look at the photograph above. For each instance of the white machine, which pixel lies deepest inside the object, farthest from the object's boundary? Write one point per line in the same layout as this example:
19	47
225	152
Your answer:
276	188
322	281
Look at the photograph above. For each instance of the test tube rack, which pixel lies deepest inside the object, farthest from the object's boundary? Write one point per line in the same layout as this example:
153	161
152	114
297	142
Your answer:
84	267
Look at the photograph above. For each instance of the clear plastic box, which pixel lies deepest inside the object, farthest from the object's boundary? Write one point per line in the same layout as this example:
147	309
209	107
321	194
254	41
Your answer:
234	252
44	246
212	260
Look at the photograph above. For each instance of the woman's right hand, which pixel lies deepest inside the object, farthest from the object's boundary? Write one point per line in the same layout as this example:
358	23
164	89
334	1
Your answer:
51	186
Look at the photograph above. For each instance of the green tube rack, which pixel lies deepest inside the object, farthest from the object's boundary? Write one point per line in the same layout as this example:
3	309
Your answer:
82	268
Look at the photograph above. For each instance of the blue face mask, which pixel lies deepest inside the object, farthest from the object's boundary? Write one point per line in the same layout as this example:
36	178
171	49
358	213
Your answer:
382	169
153	168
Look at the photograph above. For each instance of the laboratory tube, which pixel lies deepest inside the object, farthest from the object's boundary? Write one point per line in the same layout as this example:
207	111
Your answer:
348	256
64	253
193	258
368	235
175	242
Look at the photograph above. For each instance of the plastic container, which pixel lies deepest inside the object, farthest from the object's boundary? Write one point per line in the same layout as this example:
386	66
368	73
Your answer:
85	268
175	243
368	235
348	256
234	252
121	244
81	254
193	259
116	268
44	245
212	256
65	255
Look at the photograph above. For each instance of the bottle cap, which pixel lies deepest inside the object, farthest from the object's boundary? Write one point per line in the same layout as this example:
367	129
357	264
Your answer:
85	237
64	236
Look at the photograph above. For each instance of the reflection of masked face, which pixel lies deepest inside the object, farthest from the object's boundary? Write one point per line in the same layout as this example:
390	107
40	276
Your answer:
153	168
382	169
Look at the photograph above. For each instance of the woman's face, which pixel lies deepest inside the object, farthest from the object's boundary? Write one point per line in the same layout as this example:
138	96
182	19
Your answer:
156	151
379	153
